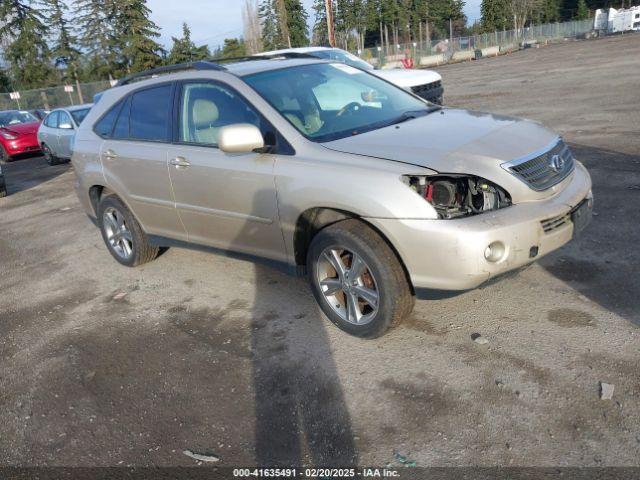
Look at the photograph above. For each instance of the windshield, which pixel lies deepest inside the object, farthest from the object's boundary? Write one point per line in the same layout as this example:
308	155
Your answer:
342	56
15	117
328	101
78	115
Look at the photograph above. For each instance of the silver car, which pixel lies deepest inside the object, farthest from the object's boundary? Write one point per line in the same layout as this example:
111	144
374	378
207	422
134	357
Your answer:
57	130
380	199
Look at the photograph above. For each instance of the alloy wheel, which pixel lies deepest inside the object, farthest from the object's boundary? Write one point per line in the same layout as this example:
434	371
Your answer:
117	233
348	285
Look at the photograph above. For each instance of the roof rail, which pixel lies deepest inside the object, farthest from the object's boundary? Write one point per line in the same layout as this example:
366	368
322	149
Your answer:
200	65
273	56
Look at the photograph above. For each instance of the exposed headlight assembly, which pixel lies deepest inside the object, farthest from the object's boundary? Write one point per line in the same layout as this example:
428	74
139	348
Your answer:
455	196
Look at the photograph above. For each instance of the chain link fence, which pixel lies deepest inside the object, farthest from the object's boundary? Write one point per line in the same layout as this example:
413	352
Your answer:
53	97
437	52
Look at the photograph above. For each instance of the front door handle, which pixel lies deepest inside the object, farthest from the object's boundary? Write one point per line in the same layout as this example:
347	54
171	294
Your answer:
179	162
110	154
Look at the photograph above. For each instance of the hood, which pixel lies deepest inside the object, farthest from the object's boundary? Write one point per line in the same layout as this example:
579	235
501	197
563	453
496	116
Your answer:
407	78
456	141
23	128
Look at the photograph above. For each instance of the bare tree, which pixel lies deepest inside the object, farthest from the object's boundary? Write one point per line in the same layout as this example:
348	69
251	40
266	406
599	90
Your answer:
252	29
522	11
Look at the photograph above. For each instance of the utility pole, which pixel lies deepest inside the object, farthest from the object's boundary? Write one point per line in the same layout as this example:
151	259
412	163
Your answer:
330	26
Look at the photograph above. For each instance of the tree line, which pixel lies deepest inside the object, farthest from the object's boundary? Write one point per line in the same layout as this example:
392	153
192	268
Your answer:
52	42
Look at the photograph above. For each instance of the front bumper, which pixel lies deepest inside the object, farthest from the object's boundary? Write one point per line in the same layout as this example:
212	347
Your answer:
450	254
22	144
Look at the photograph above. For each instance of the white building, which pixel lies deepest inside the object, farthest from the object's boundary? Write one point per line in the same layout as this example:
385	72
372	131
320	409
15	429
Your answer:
616	21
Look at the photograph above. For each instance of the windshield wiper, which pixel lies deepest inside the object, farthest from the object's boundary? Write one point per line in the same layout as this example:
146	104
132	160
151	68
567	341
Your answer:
411	114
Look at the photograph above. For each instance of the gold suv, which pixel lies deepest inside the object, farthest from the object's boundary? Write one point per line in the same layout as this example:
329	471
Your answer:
321	168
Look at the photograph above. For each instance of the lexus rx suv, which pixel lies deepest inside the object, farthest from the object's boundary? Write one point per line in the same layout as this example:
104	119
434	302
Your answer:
377	195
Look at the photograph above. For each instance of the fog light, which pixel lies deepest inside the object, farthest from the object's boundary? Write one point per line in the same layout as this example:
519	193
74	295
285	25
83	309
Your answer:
494	252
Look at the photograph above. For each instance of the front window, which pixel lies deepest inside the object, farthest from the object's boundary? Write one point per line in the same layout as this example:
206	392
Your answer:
328	101
15	117
207	107
342	56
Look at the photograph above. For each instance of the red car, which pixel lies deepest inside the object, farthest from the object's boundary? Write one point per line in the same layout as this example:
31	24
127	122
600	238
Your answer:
18	134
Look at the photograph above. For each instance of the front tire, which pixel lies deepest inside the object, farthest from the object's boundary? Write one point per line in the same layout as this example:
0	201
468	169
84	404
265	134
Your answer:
123	235
4	156
358	280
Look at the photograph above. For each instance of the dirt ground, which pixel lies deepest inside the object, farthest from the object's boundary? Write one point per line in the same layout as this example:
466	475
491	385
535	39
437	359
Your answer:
104	365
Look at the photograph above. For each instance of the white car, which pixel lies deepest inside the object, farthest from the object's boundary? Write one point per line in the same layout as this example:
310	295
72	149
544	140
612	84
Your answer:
57	130
424	83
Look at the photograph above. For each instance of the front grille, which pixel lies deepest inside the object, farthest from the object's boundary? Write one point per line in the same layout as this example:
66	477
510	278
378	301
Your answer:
546	170
428	90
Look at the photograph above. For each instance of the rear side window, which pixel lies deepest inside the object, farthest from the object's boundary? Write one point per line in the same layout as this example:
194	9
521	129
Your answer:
150	114
104	127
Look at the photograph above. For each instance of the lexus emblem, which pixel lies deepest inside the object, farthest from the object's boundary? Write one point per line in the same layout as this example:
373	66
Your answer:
557	163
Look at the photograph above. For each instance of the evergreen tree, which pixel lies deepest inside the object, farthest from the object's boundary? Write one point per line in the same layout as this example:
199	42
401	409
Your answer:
95	23
232	48
64	51
495	15
5	83
296	19
134	36
184	50
270	33
284	24
24	34
582	12
319	33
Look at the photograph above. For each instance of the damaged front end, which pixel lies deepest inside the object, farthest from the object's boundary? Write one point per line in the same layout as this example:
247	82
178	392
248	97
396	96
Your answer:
456	196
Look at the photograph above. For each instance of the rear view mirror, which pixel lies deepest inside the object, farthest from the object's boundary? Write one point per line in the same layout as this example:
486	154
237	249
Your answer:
372	96
240	138
65	126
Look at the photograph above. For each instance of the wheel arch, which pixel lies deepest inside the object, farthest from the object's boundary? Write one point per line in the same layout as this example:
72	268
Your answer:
313	220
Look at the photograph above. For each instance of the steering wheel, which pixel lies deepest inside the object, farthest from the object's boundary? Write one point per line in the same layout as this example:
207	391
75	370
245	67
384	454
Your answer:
349	107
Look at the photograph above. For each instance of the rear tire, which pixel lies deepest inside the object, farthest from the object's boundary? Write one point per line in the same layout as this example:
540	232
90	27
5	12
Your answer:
371	294
123	235
49	156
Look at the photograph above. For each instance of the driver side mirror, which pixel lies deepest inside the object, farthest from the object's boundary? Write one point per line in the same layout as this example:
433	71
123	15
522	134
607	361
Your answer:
240	138
66	126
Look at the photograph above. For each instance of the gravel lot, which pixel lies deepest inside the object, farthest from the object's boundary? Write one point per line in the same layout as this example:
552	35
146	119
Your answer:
104	365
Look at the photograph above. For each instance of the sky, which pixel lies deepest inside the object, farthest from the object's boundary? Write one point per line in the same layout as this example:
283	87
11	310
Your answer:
211	21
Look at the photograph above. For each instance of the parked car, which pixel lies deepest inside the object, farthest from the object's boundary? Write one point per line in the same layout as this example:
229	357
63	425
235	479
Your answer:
3	184
18	134
381	199
56	132
424	83
39	113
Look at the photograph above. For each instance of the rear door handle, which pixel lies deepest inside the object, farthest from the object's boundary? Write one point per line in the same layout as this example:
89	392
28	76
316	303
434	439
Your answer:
110	154
179	162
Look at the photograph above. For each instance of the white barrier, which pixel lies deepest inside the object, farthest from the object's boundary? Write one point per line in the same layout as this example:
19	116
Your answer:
463	55
491	51
432	60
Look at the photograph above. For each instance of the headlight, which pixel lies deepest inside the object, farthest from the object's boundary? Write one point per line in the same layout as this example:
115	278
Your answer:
8	135
456	196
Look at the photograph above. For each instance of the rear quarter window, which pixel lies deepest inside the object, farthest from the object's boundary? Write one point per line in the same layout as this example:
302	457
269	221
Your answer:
151	113
104	126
